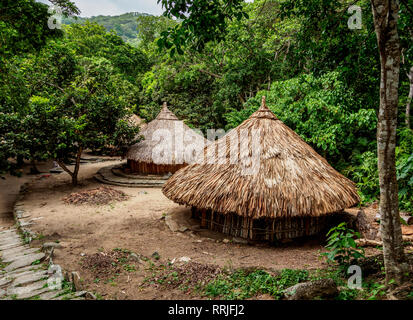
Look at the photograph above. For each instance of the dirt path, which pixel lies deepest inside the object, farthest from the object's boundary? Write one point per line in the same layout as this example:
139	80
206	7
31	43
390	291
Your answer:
9	189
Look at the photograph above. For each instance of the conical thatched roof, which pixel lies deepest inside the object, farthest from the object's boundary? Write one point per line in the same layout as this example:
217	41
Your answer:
288	180
181	137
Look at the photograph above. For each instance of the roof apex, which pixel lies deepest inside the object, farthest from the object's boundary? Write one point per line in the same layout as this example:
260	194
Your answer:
166	114
263	112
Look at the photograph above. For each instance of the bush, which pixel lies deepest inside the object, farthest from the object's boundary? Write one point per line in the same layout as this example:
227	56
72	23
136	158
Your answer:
342	246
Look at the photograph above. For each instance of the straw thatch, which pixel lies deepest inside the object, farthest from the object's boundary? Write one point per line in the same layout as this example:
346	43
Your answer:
140	155
135	120
289	179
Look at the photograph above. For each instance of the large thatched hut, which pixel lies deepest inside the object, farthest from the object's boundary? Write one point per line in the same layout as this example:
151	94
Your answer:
168	145
286	190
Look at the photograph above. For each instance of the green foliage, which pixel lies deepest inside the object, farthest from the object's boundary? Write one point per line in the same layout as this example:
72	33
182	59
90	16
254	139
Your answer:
241	285
80	96
404	166
322	110
23	25
363	171
342	246
125	25
202	21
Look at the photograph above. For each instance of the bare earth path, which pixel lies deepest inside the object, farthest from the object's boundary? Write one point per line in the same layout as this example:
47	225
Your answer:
23	273
9	189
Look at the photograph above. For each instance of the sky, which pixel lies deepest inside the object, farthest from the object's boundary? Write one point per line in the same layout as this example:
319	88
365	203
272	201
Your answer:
91	8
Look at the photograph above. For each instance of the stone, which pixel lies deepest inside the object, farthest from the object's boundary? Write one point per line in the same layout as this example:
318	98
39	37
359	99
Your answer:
226	241
10	254
25	223
5	281
19	213
80	293
323	288
29	278
22	271
134	257
11	240
184	259
11	246
172	224
24	261
8	231
33	293
50	245
77	281
18	255
24	291
51	294
90	296
25	270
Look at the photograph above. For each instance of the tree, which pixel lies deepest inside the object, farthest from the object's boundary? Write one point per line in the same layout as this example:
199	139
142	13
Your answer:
201	21
92	112
24	25
385	14
24	29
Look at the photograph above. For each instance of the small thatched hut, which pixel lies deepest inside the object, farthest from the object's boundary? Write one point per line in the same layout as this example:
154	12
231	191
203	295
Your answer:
168	145
286	191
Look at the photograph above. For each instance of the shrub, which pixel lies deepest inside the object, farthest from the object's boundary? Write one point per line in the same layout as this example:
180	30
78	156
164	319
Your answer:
342	246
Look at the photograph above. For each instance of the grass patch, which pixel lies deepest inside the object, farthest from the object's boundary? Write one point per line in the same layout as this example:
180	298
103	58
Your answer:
241	285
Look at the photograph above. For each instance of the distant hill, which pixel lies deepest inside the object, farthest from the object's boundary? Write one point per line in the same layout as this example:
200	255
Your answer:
125	25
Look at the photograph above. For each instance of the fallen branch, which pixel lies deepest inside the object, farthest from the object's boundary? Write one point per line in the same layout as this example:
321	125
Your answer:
368	243
374	243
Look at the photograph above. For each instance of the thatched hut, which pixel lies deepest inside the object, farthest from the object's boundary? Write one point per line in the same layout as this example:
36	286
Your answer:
168	145
286	191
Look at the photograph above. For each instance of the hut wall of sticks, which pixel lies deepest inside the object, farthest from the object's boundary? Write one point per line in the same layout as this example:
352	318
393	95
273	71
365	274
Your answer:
287	191
264	229
162	150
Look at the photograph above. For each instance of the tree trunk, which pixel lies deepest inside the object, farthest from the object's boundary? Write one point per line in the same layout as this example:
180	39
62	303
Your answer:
77	165
33	169
75	172
409	98
385	24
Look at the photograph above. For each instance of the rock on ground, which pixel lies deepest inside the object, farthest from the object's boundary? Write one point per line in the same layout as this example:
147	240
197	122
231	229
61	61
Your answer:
323	288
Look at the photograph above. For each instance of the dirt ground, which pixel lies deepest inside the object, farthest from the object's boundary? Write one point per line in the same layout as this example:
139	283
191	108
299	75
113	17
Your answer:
138	225
9	189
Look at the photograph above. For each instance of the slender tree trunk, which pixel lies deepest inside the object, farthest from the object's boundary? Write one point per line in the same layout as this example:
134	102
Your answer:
385	24
34	169
75	172
77	166
409	98
20	161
